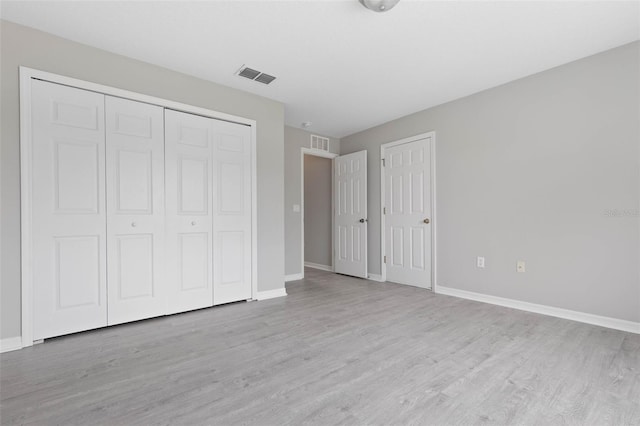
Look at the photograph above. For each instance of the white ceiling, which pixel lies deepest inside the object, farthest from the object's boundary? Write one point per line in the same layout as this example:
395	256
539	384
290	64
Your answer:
340	66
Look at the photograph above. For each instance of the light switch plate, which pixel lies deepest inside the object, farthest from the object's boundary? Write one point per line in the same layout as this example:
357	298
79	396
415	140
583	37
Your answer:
480	262
520	267
296	208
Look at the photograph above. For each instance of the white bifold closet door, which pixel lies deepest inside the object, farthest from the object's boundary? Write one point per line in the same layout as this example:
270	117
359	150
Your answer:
68	261
135	210
208	178
231	212
135	213
189	165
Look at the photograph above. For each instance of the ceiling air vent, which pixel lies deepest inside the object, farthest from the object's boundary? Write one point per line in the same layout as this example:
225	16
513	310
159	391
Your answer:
255	75
247	72
265	78
318	142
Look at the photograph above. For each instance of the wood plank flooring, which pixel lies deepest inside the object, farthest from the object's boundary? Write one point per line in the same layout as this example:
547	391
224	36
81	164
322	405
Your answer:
337	350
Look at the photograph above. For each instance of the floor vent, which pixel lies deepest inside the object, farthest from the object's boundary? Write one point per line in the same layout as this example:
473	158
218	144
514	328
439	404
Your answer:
255	75
319	142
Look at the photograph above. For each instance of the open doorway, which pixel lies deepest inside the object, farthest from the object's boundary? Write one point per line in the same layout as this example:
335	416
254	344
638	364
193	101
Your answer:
317	209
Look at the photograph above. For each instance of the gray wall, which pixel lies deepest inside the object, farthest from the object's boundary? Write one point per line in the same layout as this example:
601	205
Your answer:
317	210
294	139
532	171
35	49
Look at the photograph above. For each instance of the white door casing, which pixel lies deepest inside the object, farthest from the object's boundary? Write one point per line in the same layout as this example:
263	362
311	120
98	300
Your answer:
189	165
68	210
407	212
231	180
135	210
350	213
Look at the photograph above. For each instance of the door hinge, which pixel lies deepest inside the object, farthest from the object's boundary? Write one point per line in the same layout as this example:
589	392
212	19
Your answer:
384	210
383	162
385	259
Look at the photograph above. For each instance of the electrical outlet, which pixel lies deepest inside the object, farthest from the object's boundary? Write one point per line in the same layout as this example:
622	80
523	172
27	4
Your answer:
480	262
520	267
296	208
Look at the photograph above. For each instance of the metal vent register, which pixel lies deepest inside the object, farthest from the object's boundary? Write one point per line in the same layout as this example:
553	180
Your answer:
255	75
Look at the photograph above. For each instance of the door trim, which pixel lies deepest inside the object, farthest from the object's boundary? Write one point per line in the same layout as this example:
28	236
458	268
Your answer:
315	153
26	167
383	266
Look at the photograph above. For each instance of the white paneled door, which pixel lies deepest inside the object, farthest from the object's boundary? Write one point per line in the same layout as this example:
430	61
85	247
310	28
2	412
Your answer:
350	214
407	212
188	155
135	210
231	179
68	211
208	211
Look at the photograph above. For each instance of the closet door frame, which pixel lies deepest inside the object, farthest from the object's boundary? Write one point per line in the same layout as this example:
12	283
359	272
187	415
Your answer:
27	75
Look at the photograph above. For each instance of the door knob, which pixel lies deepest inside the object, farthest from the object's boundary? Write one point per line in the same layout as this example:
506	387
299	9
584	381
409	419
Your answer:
193	223
363	220
426	220
133	224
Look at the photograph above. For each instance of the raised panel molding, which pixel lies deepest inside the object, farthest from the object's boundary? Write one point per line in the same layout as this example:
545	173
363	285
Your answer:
416	244
135	266
80	116
342	242
416	188
193	186
193	266
76	169
355	248
230	143
355	191
397	246
417	156
133	182
126	124
77	283
230	188
193	136
231	257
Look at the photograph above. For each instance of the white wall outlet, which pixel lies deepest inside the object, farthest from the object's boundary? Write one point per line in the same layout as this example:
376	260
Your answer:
520	266
296	208
480	262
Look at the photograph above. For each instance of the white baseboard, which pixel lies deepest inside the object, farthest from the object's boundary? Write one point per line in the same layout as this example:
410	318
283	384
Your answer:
615	323
318	266
10	344
271	294
293	277
376	277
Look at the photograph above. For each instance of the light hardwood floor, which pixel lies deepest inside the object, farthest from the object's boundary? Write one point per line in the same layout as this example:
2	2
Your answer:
337	350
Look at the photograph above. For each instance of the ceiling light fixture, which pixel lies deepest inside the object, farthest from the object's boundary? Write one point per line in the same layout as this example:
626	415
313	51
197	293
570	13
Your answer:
379	5
307	124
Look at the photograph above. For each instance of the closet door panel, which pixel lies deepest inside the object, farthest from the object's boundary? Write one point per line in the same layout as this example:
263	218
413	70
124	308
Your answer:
68	214
135	210
232	212
188	151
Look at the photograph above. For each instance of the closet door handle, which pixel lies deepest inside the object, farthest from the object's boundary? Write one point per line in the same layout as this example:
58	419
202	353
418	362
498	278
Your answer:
193	223
133	224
